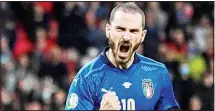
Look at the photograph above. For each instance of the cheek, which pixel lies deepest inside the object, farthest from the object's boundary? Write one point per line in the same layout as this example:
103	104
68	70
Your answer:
136	40
115	37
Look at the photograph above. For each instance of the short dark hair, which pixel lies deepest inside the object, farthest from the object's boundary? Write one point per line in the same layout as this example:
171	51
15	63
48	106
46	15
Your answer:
128	7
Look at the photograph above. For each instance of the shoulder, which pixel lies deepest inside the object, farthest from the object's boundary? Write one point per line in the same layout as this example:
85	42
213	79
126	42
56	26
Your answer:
150	62
93	66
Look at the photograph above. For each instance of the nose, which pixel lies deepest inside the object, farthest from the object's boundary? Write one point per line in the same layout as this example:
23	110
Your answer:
126	36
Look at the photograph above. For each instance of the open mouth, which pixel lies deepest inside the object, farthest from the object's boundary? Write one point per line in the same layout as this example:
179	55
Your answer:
124	48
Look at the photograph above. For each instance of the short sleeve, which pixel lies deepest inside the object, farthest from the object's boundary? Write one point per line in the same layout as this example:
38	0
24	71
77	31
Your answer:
167	100
80	95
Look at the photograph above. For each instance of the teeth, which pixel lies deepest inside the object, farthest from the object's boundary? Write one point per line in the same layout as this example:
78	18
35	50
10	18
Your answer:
125	45
124	48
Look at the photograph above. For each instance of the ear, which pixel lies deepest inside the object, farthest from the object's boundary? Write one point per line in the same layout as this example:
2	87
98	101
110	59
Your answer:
143	35
107	30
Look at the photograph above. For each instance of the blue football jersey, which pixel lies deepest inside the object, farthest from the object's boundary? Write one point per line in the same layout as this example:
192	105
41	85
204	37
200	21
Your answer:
145	85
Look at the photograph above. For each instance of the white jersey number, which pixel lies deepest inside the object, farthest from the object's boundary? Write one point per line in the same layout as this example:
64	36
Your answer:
129	104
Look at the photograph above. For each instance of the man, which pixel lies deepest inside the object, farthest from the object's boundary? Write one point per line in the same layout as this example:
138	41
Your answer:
119	78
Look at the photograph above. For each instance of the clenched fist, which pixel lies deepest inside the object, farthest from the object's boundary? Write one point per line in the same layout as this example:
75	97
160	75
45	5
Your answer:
110	102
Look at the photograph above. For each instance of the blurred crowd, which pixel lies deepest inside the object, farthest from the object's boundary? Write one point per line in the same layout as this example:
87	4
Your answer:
44	44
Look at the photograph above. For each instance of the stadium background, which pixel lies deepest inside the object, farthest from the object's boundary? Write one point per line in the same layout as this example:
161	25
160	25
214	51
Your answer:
44	44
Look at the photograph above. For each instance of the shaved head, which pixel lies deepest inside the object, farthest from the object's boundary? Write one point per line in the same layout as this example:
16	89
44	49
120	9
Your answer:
128	8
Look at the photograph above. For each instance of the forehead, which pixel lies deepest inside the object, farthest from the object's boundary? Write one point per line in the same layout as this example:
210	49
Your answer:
127	20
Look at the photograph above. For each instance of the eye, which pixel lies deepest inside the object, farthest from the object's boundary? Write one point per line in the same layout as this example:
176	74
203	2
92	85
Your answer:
119	29
134	31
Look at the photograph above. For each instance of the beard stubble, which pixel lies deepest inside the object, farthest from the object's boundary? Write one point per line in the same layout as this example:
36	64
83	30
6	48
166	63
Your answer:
112	45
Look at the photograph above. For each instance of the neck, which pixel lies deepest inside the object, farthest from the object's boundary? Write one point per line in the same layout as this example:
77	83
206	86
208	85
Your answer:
112	59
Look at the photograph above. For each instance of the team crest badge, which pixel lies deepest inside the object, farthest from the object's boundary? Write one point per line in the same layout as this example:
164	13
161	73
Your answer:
72	101
147	87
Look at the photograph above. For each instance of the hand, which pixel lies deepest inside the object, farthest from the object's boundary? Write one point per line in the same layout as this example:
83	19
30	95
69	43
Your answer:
110	101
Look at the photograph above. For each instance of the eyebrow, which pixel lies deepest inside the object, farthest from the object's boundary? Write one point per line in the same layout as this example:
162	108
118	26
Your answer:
132	30
123	28
119	27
